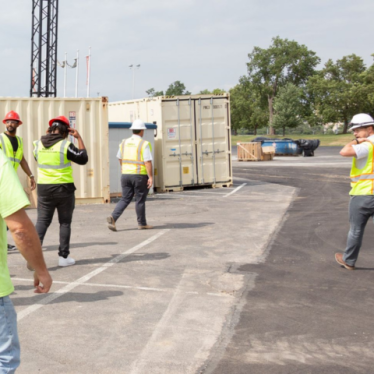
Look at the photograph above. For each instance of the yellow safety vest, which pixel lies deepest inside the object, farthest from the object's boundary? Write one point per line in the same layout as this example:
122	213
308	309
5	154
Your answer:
14	157
53	164
362	180
132	150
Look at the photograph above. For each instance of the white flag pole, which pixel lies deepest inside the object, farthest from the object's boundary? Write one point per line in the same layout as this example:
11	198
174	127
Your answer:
65	73
88	72
77	75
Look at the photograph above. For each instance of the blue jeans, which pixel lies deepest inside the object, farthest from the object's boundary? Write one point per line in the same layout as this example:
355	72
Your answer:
9	343
361	208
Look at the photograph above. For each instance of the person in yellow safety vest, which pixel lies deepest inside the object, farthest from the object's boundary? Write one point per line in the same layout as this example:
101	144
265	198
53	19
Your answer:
135	158
12	146
54	155
361	206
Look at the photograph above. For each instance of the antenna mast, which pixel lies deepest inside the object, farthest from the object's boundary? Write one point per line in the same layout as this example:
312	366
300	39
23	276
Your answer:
44	48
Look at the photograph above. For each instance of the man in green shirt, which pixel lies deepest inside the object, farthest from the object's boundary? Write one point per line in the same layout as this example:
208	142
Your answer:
12	145
13	200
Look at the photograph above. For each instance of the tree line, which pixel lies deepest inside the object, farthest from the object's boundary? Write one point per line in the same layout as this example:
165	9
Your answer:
178	88
284	89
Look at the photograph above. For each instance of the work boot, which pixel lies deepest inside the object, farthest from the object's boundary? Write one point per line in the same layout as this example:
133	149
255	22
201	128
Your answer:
68	261
111	223
146	227
340	261
11	247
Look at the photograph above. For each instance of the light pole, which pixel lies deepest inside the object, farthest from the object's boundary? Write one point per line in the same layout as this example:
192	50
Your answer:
133	68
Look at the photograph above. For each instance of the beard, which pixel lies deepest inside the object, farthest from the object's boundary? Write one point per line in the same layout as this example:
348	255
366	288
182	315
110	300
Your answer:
11	129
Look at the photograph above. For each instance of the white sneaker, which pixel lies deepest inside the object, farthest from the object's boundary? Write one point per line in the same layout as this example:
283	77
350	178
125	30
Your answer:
65	261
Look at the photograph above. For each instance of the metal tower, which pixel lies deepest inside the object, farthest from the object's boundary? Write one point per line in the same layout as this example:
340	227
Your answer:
44	48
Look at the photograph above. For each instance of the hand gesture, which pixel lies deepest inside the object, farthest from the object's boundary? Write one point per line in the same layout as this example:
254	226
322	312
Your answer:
74	132
32	184
42	282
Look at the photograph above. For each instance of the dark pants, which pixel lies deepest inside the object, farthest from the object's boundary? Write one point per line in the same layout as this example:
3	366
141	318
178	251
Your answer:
361	208
65	206
133	184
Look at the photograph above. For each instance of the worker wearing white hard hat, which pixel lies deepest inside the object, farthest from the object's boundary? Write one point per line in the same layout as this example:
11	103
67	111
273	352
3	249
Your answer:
135	158
361	206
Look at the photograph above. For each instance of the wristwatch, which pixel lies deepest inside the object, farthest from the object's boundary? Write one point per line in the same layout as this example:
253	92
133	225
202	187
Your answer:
31	176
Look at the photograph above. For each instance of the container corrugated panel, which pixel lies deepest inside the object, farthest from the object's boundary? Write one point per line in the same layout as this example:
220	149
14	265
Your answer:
193	145
117	132
90	117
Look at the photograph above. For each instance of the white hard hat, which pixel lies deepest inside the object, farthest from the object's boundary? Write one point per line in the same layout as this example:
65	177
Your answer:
361	120
138	124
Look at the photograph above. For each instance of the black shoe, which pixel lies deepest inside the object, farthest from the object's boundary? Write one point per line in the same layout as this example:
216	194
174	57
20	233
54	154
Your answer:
11	247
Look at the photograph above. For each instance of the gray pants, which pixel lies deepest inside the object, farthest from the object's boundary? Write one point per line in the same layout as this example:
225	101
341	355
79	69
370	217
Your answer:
361	208
133	184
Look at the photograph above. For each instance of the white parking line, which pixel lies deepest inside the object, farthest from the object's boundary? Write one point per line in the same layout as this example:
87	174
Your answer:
55	295
236	190
100	285
29	280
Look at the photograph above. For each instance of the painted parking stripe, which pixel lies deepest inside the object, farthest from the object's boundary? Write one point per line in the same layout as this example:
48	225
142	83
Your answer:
105	285
55	295
236	190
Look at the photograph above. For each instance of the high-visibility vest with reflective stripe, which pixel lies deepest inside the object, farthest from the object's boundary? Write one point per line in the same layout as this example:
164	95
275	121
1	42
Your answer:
362	180
132	150
14	157
53	164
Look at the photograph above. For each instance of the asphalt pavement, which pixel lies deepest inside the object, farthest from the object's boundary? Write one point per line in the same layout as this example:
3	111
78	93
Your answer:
231	280
306	314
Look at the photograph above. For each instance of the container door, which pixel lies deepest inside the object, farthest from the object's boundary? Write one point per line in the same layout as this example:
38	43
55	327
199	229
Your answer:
178	127
213	140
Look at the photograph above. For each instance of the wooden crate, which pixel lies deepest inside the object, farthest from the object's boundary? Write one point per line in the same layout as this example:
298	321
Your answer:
267	153
249	151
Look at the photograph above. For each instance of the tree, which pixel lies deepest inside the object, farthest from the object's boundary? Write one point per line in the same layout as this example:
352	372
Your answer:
177	88
283	62
204	92
288	107
247	110
342	89
152	93
218	91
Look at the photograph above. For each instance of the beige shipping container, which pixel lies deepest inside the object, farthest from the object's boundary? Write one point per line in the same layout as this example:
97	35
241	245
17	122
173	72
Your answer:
193	142
90	117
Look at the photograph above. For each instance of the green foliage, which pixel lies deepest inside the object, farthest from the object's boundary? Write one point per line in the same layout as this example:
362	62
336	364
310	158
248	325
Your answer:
288	107
247	112
152	93
177	88
342	89
204	92
283	62
218	91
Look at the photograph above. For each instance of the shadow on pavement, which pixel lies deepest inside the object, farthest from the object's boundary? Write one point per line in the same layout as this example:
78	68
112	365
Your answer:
77	245
129	258
175	226
79	297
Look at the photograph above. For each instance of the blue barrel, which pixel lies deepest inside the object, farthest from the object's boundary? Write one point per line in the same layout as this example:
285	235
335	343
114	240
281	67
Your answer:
283	147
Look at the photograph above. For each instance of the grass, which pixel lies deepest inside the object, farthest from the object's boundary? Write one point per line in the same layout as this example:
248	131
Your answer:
326	140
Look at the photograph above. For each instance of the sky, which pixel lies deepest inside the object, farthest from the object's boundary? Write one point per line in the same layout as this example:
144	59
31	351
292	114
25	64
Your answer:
202	43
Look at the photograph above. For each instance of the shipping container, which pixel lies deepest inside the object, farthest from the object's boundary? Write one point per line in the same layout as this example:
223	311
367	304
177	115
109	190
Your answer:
117	132
90	117
193	142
